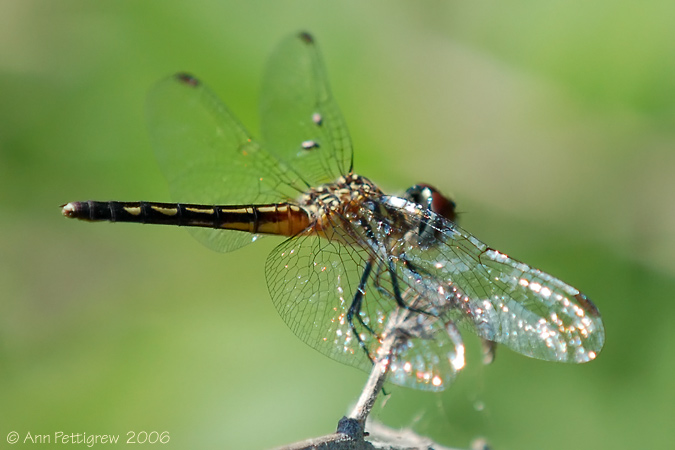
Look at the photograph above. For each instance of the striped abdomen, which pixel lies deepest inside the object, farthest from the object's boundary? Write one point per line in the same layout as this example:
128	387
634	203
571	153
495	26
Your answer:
281	218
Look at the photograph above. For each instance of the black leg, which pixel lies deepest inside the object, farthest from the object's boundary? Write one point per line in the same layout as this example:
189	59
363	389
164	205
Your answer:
414	269
355	308
397	289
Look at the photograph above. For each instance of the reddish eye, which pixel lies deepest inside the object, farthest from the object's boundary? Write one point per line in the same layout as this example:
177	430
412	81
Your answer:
442	205
430	198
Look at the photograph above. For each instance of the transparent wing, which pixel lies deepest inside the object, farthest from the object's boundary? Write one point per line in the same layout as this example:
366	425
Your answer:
300	121
429	363
207	157
479	288
389	251
428	352
313	283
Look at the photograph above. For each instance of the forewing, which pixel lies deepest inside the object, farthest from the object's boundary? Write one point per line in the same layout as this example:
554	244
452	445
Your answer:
207	157
300	120
497	297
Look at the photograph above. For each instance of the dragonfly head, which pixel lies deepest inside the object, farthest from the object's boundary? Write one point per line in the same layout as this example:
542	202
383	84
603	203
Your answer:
431	199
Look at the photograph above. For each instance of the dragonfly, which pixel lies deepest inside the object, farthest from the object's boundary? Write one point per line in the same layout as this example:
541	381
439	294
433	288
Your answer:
354	259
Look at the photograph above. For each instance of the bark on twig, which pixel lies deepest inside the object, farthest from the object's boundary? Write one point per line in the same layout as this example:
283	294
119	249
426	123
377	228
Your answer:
351	434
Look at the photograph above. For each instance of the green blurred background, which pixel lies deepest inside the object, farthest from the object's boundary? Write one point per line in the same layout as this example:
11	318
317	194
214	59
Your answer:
551	123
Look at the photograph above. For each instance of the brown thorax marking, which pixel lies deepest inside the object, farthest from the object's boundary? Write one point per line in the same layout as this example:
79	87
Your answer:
340	198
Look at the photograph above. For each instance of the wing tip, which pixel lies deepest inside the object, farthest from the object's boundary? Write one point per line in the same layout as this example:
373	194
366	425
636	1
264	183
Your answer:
306	37
587	304
187	79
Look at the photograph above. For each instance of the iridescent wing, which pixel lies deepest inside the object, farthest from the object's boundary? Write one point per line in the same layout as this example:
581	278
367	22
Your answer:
207	157
430	357
300	120
313	283
433	266
497	297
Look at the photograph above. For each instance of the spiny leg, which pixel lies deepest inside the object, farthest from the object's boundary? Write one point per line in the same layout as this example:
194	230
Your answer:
397	290
362	284
355	308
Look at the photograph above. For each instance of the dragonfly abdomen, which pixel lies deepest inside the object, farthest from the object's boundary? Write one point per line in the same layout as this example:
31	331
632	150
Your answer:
280	218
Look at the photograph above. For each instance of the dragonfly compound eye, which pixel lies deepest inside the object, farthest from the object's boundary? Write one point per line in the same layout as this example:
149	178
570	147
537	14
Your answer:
431	199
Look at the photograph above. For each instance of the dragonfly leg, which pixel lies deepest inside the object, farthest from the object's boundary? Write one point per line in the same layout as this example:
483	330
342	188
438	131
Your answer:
397	290
414	269
355	308
358	298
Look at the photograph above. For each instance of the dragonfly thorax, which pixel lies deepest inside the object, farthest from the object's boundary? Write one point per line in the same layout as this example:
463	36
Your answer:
337	197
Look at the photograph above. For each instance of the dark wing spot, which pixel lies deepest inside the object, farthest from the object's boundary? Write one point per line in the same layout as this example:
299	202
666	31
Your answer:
587	305
309	145
306	37
186	78
317	119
